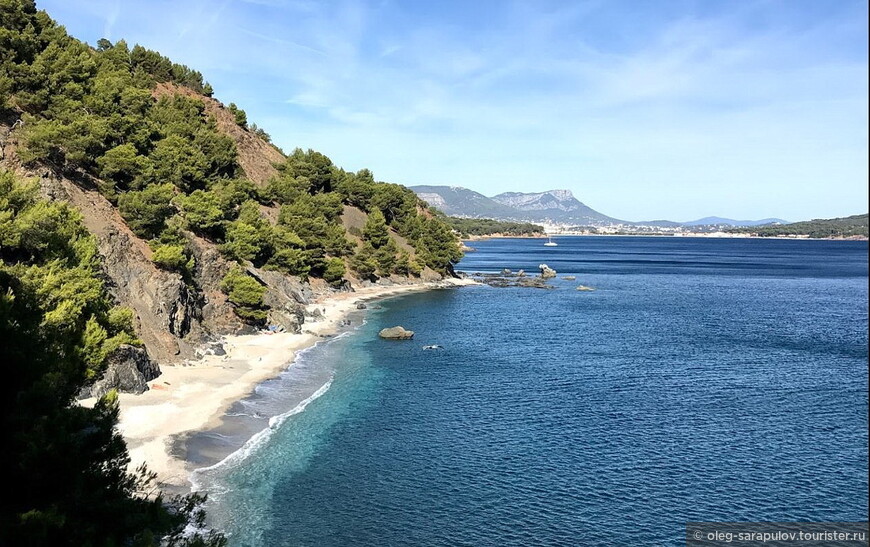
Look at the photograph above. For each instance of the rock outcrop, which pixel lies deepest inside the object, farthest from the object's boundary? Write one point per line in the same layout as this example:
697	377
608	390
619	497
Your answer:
128	369
546	271
396	333
501	281
286	298
168	310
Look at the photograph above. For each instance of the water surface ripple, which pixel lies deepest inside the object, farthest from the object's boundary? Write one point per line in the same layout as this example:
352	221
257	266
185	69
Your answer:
721	380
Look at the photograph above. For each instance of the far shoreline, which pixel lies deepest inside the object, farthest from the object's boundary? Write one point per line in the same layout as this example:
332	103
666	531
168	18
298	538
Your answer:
718	235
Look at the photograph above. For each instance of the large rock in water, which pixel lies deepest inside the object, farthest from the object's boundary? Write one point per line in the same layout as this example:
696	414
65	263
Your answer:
128	369
396	333
547	272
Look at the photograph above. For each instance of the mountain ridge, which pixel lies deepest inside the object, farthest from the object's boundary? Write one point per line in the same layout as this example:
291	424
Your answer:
707	221
558	206
551	207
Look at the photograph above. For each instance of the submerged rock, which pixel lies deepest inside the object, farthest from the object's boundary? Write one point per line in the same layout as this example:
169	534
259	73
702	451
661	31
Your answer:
569	278
585	288
534	283
396	333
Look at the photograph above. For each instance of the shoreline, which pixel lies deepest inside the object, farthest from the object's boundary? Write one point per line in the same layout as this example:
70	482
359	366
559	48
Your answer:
694	235
194	396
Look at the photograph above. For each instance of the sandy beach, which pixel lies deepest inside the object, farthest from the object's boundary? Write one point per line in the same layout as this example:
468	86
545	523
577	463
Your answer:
195	395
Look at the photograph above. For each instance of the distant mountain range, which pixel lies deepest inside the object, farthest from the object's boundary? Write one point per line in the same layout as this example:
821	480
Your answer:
551	207
719	221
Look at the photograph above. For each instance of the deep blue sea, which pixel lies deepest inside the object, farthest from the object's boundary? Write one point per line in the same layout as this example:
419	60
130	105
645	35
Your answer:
703	380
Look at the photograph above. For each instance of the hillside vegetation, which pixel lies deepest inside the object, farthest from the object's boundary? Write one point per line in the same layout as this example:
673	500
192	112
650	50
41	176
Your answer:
57	324
487	226
92	114
852	226
168	213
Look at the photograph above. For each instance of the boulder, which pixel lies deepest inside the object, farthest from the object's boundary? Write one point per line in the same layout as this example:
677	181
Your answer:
289	317
128	369
345	286
521	273
396	333
534	283
315	314
506	271
282	288
546	271
361	306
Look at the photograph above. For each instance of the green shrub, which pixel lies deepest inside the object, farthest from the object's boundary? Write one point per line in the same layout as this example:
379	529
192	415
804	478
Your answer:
246	293
291	261
120	319
173	258
244	242
375	230
386	258
146	210
364	262
334	271
239	115
203	212
123	166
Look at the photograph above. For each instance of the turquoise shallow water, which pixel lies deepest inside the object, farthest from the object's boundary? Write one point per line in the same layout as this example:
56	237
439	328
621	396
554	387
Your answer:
703	380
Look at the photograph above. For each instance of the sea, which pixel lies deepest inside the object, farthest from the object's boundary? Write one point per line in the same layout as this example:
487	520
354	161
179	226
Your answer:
702	380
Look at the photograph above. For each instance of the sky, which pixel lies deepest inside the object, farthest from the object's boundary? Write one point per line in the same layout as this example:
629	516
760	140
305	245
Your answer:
646	109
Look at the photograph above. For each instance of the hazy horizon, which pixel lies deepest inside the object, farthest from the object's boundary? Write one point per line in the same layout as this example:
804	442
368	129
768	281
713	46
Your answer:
673	110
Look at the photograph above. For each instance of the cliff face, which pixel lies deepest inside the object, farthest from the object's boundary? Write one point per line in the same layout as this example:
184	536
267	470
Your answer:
173	318
169	312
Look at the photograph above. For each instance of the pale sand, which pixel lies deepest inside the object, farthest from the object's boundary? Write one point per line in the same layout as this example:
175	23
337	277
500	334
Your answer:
194	396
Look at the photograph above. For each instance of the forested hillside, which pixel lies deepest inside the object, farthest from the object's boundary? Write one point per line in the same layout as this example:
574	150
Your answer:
57	325
143	134
853	226
137	210
487	226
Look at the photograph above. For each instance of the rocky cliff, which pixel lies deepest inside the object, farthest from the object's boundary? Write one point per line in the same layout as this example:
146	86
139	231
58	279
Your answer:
174	317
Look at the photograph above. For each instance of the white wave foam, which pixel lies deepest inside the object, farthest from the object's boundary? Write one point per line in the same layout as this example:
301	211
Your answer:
259	438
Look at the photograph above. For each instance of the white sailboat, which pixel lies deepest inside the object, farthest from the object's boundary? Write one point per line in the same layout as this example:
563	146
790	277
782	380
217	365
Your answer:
550	242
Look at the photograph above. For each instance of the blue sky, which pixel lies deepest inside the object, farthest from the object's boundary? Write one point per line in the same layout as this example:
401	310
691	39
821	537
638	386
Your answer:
644	109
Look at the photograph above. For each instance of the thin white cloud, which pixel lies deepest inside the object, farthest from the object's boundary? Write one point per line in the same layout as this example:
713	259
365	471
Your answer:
280	41
627	109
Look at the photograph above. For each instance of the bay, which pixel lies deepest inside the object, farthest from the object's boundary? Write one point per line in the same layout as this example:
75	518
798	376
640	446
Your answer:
703	379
